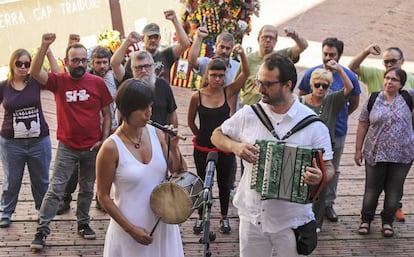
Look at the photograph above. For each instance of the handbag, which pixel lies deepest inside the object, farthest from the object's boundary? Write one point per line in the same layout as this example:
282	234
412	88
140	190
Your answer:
306	238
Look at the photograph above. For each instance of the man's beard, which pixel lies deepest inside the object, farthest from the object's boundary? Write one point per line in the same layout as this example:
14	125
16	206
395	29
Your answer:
77	72
150	80
100	73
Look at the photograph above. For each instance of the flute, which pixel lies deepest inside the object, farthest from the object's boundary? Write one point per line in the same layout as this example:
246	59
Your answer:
167	130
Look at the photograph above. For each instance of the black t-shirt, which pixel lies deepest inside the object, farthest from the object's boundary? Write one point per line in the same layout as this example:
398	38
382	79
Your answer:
163	61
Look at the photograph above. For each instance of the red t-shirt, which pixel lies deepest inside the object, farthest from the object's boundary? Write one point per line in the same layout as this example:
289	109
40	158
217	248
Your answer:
78	107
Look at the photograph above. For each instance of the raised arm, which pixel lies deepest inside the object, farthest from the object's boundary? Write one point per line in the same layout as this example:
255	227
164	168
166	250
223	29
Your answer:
118	68
196	46
355	63
301	43
73	38
234	88
336	67
183	40
36	68
54	66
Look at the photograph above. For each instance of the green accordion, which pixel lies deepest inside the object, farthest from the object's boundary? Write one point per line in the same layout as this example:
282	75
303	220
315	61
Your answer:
279	172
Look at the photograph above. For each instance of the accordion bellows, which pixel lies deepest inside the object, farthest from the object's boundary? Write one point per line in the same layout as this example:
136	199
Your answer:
279	172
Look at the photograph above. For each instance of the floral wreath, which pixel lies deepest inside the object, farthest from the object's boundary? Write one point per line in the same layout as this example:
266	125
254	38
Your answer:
110	39
233	16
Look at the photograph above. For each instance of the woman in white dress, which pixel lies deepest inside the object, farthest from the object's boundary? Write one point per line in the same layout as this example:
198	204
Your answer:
133	161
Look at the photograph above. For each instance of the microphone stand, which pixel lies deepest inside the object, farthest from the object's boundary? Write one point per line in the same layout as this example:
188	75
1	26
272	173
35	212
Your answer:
207	203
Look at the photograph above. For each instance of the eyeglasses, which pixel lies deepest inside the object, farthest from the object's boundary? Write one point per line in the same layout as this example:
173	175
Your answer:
20	64
217	76
78	60
392	79
391	61
144	66
266	37
323	85
258	82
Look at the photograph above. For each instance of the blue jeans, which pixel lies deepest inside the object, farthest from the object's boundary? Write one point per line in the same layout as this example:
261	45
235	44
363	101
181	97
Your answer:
15	154
387	177
65	162
338	149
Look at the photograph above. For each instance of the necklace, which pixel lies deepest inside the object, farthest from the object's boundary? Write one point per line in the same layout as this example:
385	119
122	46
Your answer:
315	108
137	145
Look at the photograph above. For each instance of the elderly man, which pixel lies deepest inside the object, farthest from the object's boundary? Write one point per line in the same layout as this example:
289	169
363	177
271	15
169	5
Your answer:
163	60
374	77
142	65
267	40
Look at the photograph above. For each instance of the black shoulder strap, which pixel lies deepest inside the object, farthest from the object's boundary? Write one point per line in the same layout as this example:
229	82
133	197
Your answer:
301	124
408	99
404	93
258	109
371	100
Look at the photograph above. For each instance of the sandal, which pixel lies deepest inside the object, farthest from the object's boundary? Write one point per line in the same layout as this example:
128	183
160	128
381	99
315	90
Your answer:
387	230
364	228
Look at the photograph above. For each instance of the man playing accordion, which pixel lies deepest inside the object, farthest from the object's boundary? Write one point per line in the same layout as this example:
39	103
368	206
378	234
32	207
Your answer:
267	224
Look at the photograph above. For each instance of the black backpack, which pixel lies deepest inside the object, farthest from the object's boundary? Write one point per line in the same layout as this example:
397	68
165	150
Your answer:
404	93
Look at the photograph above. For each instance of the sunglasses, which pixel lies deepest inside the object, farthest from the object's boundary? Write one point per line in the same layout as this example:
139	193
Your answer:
323	85
20	64
391	61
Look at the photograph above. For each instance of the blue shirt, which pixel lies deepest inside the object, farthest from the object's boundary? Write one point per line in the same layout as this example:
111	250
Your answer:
341	126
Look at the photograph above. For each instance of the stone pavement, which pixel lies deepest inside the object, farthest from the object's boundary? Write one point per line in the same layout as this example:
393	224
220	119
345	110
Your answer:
336	239
315	19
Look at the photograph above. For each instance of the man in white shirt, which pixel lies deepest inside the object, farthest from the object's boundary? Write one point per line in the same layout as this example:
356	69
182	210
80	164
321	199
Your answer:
268	224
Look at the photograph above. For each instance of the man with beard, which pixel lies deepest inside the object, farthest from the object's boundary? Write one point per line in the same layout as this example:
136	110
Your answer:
163	60
100	58
142	65
81	98
223	49
267	40
267	224
332	49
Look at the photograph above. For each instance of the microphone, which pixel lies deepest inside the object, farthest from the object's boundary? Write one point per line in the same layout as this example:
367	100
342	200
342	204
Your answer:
167	130
210	167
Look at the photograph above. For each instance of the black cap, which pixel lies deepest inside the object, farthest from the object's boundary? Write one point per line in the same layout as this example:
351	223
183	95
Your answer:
151	29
